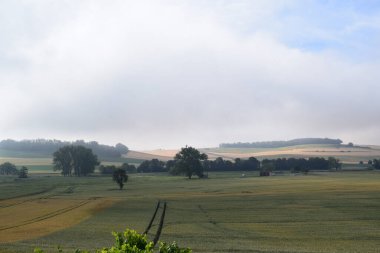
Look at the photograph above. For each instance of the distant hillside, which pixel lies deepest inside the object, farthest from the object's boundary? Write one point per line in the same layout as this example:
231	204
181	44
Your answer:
280	144
48	147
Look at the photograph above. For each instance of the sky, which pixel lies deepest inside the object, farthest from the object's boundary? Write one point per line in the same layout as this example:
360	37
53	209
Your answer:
163	74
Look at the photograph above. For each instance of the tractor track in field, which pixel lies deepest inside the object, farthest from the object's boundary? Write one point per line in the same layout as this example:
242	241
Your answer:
67	190
216	226
48	216
205	213
29	194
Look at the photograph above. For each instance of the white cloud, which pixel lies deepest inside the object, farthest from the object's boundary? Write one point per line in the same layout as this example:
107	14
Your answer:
168	73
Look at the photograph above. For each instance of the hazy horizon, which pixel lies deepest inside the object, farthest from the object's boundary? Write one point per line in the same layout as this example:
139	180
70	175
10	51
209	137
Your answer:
165	74
175	148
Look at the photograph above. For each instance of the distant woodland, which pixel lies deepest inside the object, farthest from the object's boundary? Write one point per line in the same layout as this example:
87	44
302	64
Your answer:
280	144
43	146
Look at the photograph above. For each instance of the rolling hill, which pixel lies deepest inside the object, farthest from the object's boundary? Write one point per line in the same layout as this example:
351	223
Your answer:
345	153
42	161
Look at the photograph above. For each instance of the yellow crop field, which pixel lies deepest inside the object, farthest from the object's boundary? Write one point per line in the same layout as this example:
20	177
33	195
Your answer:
31	217
27	161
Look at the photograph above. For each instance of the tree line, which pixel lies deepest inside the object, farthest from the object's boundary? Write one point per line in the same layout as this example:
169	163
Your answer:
300	164
375	163
147	166
281	144
190	161
80	161
220	164
174	167
44	146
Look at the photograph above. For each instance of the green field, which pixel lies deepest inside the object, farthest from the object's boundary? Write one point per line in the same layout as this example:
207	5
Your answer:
321	212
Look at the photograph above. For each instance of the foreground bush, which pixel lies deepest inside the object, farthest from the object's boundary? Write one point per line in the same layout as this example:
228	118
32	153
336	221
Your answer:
132	242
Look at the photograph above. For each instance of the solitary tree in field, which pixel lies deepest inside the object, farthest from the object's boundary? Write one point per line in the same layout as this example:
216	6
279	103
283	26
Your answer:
120	177
189	162
75	160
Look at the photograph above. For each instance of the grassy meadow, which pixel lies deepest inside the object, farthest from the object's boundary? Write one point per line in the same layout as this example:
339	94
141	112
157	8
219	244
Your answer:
319	212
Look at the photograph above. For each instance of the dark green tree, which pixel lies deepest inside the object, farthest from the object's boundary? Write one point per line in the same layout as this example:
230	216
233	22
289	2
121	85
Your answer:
219	164
107	169
318	163
8	168
376	164
239	165
334	163
75	160
251	164
121	148
129	168
153	165
23	172
84	161
120	177
144	167
63	160
189	162
170	165
267	166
